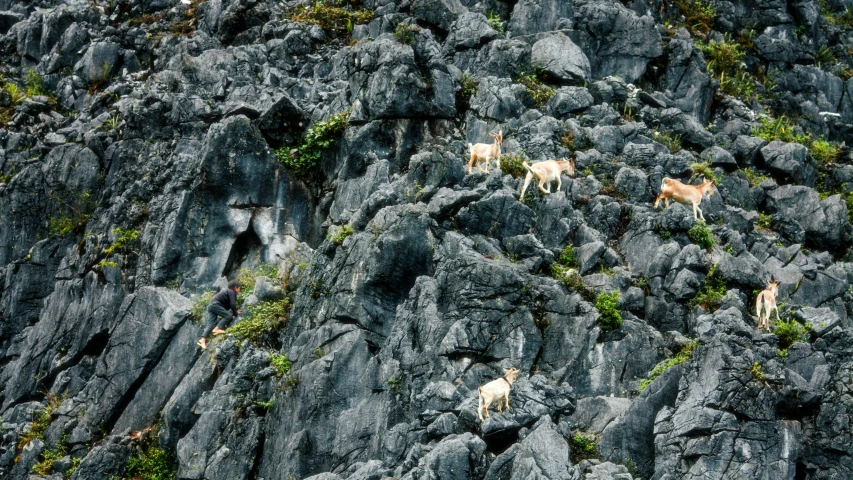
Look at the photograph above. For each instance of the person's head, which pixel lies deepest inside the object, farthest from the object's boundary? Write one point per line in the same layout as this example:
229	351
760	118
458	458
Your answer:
235	285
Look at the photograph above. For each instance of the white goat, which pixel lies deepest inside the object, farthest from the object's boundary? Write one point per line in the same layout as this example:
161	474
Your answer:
496	389
767	301
686	194
483	152
547	172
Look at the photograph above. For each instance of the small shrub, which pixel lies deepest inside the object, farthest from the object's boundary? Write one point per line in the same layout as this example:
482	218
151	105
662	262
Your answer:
262	321
642	283
41	419
789	332
281	364
567	140
701	235
757	372
765	221
320	137
405	33
671	141
682	356
699	16
336	18
495	21
710	296
72	213
396	384
534	82
753	177
567	257
779	129
124	239
606	303
101	81
824	152
249	277
150	462
824	55
571	279
342	234
34	84
846	74
583	447
704	169
106	263
468	88
14	92
513	165
45	465
199	307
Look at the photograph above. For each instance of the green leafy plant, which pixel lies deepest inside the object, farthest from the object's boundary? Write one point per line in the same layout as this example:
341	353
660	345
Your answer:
336	18
200	306
607	306
536	87
341	234
72	213
567	257
704	169
124	239
642	283
41	419
34	84
495	21
513	164
45	465
669	140
753	177
150	462
779	129
263	320
824	152
698	16
757	372
318	139
701	235
583	447
281	364
467	89
765	221
111	123
404	33
396	384
824	55
680	357
710	296
725	63
789	332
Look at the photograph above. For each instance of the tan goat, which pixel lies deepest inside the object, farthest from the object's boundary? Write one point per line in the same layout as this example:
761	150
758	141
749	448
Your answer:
547	172
483	152
686	194
767	301
496	389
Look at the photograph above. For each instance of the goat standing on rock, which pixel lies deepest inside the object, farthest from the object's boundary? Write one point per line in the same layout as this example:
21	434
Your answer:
547	172
483	152
496	389
767	301
686	194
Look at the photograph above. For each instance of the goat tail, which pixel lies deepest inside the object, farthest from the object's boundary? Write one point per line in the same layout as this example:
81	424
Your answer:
470	146
526	166
480	403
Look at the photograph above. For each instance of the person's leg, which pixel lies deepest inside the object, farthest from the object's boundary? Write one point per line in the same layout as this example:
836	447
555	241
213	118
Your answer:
212	315
224	318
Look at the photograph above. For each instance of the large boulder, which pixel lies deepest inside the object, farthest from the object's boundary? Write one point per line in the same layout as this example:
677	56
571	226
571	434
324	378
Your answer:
790	160
534	16
561	58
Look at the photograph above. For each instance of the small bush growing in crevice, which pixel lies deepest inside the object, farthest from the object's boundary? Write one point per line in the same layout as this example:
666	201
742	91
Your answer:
341	234
710	296
779	129
669	140
467	89
150	462
280	364
583	447
757	372
319	138
262	321
790	332
607	306
495	21
704	169
336	18
753	177
698	16
567	257
824	152
513	164
571	279
536	87
72	213
405	33
682	356
199	307
41	419
701	235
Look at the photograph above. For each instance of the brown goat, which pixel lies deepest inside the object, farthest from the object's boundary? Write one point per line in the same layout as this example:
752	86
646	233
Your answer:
686	194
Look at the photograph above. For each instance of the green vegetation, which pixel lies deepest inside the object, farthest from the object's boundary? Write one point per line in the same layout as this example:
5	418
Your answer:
40	421
263	320
124	239
606	303
671	141
396	384
468	88
765	221
248	277
790	332
753	177
680	357
536	87
567	140
757	372
513	164
664	233
72	213
111	123
642	283
496	22
724	63
824	55
567	257
45	465
583	446
699	16
825	152
106	263
701	235
704	169
185	22
320	137
710	296
571	279
846	74
405	33
34	84
779	129
200	306
150	462
281	364
341	234
335	17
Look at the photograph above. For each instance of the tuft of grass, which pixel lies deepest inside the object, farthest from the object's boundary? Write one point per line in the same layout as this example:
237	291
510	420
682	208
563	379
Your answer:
495	21
583	446
567	257
571	279
317	140
779	129
45	465
846	74
150	462
725	63
698	16
824	55
669	140
34	83
262	321
757	372
281	364
704	169
396	384
824	152
680	357
710	296
701	235
41	419
404	33
342	234
249	277
200	306
790	332
513	164
467	89
765	221
336	18
536	87
753	177
606	304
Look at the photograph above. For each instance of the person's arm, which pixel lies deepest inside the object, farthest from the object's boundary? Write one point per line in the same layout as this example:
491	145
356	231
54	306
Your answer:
233	297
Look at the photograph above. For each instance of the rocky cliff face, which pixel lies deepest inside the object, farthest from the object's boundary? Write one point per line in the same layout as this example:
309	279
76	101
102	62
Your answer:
318	151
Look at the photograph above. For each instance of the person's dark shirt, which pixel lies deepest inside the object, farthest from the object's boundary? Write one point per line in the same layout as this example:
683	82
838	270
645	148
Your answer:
227	299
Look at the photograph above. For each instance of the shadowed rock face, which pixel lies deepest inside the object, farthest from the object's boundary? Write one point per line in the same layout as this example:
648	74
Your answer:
147	152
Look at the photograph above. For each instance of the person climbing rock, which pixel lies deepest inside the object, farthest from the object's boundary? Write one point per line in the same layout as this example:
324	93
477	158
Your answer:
224	305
